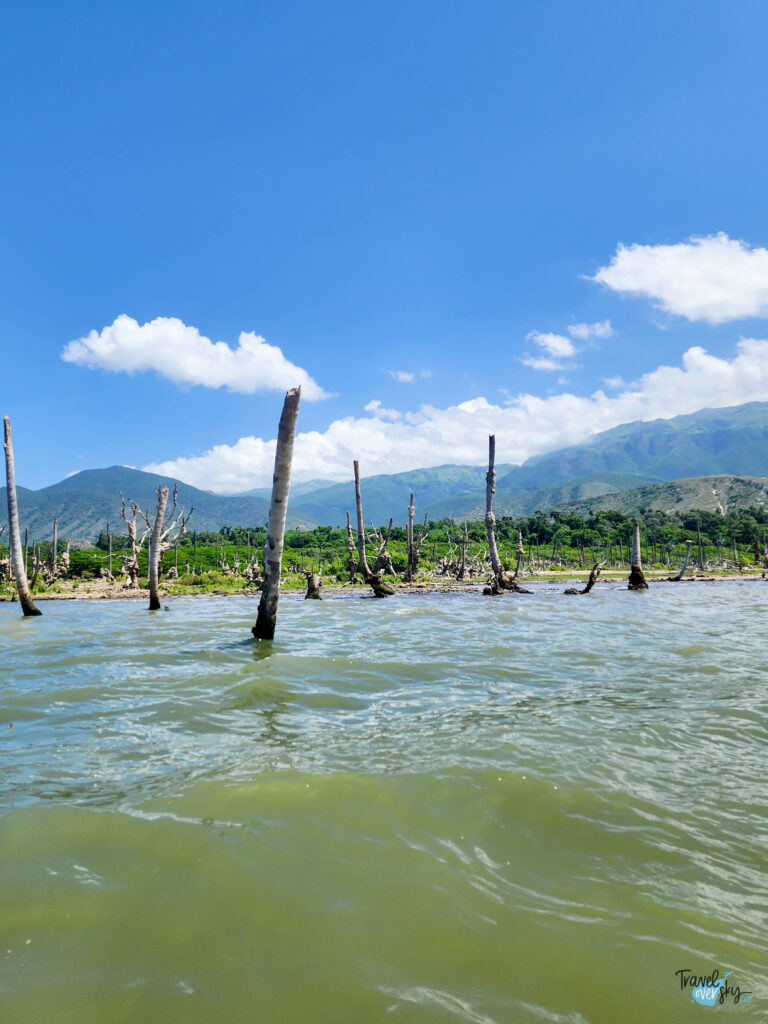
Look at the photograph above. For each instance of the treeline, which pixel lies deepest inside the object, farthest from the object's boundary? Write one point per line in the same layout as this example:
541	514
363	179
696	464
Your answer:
550	538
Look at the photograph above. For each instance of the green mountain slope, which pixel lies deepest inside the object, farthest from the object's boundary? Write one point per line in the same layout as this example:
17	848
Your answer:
713	493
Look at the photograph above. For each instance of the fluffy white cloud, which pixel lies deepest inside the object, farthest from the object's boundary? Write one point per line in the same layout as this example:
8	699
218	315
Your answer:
402	376
557	345
598	330
714	278
527	426
182	354
541	363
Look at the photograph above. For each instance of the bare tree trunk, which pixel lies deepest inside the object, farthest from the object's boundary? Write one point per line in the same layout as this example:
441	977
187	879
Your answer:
409	568
593	578
26	550
155	550
685	561
351	562
636	577
266	620
313	587
463	567
28	606
373	579
54	553
501	579
520	553
701	549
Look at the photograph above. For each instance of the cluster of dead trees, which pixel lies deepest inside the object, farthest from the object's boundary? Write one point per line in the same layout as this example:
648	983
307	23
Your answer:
167	526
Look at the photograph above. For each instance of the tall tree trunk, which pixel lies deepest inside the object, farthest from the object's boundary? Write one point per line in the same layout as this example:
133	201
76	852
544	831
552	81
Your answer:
373	579
54	555
26	550
351	563
685	561
501	580
701	549
28	606
266	619
155	550
409	568
636	577
463	567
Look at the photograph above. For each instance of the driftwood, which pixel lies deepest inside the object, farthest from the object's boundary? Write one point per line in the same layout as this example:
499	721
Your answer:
501	580
373	579
28	606
593	577
636	578
266	619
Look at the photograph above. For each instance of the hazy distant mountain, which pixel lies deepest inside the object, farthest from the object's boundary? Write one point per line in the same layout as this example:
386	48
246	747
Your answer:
713	442
85	502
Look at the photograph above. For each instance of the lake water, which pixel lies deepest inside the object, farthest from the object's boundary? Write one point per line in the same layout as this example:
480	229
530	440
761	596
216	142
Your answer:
425	809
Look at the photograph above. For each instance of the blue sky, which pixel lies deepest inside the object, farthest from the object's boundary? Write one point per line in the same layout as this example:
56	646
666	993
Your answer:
376	190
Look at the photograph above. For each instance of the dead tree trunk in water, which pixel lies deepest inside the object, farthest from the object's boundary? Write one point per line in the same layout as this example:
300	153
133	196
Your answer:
28	606
383	561
373	579
266	619
636	577
593	577
685	561
520	553
501	579
160	544
313	587
409	567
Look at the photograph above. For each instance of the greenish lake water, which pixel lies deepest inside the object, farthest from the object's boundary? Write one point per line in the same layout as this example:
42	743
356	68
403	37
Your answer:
425	809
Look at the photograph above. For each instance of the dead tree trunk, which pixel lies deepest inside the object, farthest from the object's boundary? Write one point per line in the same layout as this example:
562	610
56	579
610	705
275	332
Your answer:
154	551
53	557
160	543
410	570
313	587
520	553
131	565
383	561
351	560
28	606
636	577
593	578
463	566
373	579
501	579
680	575
26	550
266	619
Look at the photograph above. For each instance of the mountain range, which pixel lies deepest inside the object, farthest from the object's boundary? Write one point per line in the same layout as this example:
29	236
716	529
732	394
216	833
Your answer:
627	468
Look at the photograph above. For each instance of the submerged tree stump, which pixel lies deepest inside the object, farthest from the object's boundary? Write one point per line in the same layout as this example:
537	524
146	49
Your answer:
593	578
636	578
313	587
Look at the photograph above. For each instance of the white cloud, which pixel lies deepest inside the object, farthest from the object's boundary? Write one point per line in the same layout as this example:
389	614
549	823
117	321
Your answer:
714	278
403	376
375	408
182	354
557	345
598	330
614	382
528	425
541	363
